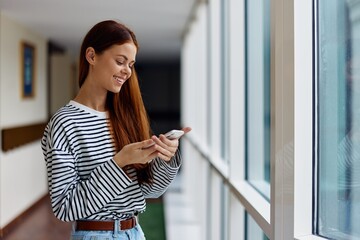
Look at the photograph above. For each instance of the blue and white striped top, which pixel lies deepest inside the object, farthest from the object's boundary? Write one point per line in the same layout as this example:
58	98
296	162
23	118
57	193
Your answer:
84	181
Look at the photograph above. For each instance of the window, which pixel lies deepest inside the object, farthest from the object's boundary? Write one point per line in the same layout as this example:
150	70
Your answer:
338	119
258	94
224	79
253	231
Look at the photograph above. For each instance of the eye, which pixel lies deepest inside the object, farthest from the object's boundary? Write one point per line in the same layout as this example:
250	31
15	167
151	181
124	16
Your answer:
118	62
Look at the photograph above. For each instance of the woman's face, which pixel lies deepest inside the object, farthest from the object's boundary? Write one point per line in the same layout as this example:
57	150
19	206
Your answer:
113	67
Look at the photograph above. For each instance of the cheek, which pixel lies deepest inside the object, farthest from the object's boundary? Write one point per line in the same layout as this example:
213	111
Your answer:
111	69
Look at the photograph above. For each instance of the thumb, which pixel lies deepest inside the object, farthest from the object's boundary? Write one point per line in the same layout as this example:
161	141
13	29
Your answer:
186	129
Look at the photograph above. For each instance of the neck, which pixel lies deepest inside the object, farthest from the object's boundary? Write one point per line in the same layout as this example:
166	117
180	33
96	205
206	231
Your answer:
91	97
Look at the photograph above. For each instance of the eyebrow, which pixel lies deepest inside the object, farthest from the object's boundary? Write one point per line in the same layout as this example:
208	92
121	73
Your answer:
120	55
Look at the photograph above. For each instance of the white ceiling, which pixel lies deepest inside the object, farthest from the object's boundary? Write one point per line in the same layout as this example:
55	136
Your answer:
158	24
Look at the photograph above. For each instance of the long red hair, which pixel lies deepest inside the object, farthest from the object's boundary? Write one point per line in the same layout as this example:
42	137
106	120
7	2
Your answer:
128	118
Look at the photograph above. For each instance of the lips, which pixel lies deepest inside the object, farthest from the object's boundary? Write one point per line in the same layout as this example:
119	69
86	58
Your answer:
119	80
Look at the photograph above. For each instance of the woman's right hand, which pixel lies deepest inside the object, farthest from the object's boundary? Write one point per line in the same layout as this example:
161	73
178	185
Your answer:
136	153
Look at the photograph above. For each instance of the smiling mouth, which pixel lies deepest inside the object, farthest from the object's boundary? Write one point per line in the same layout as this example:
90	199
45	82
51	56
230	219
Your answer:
119	80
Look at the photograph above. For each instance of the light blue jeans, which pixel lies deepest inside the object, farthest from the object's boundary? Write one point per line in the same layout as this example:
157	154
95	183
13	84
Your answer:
135	233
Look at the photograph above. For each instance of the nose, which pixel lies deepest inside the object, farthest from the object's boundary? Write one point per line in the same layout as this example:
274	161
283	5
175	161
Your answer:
126	71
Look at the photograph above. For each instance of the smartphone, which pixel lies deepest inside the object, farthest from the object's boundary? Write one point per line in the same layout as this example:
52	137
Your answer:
174	134
171	135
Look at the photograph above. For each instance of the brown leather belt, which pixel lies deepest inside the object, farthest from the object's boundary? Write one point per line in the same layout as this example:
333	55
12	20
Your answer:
104	225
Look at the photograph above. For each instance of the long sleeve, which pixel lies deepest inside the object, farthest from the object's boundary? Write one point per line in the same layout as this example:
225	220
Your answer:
163	174
82	176
73	198
84	181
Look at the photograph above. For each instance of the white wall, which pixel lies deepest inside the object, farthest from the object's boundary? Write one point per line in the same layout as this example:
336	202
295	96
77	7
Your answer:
22	170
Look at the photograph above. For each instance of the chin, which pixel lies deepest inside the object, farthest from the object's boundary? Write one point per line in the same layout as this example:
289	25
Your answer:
115	90
118	90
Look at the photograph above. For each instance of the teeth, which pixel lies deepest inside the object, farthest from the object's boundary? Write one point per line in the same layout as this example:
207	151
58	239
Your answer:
119	80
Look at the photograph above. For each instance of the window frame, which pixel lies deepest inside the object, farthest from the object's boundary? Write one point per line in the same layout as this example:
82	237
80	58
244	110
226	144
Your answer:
293	71
289	215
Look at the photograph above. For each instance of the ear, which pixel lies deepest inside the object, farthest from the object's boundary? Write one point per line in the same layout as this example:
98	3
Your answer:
90	55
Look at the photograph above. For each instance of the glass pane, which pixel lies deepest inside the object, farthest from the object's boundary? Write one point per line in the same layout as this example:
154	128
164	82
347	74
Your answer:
253	231
258	94
224	78
338	202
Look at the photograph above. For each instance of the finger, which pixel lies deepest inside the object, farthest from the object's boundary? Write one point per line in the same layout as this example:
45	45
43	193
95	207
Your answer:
166	152
168	148
158	141
168	142
146	144
164	147
151	157
164	157
186	129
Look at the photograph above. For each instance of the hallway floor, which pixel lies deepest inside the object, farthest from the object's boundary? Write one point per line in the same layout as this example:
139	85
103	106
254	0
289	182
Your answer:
41	225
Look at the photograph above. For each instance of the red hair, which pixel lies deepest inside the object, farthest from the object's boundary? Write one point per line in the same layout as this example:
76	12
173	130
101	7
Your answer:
128	118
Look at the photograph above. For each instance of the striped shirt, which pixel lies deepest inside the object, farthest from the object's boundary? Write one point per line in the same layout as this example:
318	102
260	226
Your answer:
84	181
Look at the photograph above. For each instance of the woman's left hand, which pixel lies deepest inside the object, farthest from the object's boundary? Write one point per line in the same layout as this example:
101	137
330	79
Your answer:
167	148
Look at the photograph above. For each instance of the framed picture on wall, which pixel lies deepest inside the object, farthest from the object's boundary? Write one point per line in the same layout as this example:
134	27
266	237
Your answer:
28	52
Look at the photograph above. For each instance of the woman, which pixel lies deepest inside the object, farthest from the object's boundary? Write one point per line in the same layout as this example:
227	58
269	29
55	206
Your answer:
101	160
